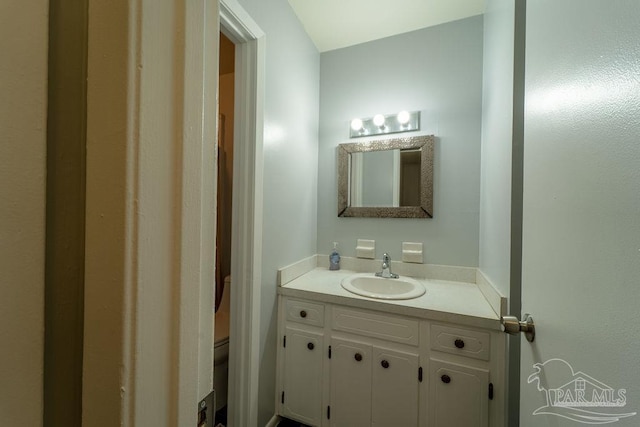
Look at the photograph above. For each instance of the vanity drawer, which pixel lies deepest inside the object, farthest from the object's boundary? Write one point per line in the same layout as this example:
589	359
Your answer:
384	326
305	312
463	342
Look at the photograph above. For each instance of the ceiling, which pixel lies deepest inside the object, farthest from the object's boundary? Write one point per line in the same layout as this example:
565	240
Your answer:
334	24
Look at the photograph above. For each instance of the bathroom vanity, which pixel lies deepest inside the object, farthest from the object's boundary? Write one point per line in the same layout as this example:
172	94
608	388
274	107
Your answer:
347	360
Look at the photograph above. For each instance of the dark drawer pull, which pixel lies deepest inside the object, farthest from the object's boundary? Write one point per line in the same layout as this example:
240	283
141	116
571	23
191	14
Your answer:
303	314
310	346
384	364
446	379
358	357
459	343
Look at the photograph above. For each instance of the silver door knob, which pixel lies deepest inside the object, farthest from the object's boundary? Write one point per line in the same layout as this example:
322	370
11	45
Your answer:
512	326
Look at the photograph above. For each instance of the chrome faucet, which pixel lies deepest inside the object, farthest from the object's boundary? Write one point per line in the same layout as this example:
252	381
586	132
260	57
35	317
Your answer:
386	268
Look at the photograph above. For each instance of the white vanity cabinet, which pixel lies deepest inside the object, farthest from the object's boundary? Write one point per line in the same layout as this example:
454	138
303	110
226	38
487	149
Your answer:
458	395
396	383
375	360
303	375
351	367
350	379
302	362
372	385
459	368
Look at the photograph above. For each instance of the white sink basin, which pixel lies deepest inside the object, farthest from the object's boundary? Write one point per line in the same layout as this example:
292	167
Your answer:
372	286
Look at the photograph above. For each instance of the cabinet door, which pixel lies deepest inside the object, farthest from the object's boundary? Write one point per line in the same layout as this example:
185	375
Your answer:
302	376
458	395
395	388
350	383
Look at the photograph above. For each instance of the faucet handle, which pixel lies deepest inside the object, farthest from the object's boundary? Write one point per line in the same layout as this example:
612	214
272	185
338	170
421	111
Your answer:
386	258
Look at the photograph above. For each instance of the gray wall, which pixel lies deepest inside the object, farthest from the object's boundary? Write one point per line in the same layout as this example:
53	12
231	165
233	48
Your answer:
290	165
437	70
497	120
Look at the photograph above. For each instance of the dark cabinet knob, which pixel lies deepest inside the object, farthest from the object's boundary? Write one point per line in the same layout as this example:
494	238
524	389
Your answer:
310	346
358	357
303	314
446	379
384	364
459	343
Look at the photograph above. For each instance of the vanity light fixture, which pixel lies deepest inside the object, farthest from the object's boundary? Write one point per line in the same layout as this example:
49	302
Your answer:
404	117
356	125
378	120
404	121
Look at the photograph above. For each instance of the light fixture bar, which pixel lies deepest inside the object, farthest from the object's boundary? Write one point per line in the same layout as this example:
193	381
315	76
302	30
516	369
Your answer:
403	121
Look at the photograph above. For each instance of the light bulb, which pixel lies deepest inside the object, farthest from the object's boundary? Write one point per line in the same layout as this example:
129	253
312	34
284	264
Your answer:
403	117
378	120
356	124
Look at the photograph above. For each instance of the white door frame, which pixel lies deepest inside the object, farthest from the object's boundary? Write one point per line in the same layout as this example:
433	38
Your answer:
150	211
246	235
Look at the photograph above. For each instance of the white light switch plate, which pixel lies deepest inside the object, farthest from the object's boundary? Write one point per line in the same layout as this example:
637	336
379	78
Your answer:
412	252
366	249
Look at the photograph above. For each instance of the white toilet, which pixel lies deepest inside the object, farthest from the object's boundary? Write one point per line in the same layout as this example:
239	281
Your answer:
221	351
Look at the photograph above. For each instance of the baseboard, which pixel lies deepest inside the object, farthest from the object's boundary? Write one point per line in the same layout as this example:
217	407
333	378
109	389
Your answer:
273	422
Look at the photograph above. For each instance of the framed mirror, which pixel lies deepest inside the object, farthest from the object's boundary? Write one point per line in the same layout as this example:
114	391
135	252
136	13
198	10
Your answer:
390	178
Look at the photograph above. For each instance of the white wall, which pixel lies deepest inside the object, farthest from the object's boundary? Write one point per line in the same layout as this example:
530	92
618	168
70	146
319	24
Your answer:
23	84
437	70
290	165
497	126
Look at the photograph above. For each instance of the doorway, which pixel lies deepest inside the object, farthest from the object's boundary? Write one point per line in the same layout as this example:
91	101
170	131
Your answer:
226	105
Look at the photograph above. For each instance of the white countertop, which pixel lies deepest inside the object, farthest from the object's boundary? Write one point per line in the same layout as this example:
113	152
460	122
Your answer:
445	301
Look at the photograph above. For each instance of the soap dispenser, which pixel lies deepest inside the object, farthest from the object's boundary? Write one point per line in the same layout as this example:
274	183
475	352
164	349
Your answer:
334	258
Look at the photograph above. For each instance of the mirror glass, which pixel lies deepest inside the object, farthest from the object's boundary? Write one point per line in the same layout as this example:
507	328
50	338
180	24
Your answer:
386	179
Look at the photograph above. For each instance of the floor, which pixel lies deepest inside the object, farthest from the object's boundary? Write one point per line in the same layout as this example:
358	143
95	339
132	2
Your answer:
288	423
221	420
221	417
